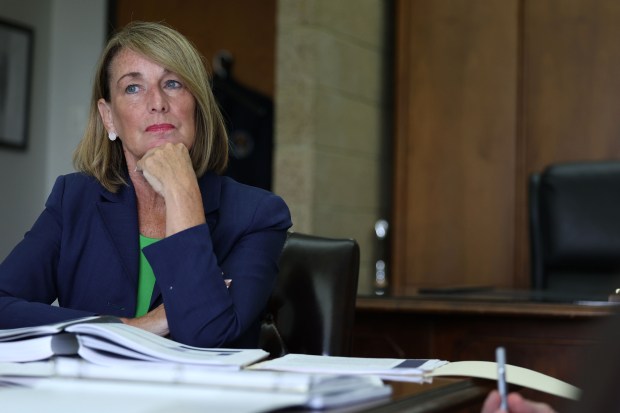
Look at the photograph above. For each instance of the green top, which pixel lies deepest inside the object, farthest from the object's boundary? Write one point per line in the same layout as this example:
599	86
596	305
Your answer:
146	278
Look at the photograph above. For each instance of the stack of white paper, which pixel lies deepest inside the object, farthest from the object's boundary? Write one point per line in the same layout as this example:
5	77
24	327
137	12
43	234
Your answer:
293	389
102	341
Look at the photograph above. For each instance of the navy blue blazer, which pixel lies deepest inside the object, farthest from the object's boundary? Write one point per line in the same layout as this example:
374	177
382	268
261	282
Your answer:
84	251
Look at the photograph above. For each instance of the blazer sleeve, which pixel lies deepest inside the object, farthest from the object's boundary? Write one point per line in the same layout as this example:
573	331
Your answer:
27	275
201	310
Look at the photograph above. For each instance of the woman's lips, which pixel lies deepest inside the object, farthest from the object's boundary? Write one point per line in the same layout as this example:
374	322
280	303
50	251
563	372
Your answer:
160	127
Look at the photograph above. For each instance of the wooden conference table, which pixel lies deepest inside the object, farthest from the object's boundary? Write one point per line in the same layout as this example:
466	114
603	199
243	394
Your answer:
443	395
549	333
452	395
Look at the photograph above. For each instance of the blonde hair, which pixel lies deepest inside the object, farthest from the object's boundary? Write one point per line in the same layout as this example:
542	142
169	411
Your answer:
96	155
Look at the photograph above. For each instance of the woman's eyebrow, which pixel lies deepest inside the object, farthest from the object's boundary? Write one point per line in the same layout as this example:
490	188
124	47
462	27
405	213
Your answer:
137	75
131	75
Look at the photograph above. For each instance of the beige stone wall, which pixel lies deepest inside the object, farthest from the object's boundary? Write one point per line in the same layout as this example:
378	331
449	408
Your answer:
331	119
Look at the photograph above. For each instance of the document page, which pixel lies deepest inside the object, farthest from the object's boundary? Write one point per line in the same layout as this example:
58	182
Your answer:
514	374
13	334
396	369
134	343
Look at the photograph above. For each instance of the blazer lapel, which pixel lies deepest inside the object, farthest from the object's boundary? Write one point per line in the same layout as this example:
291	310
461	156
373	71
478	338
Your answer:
120	218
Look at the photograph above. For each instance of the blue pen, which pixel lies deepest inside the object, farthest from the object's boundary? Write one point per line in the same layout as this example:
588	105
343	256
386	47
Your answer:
500	358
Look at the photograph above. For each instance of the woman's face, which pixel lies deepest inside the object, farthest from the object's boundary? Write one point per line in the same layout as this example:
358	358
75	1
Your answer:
148	106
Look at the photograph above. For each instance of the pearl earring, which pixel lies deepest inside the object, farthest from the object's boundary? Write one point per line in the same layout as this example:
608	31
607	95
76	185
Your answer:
112	136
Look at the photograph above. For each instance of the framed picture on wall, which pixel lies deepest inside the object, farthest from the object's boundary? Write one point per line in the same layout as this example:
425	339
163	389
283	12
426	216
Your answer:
16	47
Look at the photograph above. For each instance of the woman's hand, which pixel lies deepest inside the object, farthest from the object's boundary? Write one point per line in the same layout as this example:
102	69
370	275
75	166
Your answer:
168	169
516	404
154	321
166	166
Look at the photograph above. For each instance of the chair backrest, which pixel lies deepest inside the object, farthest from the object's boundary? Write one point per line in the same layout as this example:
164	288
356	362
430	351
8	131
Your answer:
574	211
312	308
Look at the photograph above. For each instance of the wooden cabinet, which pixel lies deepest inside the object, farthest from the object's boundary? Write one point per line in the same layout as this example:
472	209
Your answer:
486	93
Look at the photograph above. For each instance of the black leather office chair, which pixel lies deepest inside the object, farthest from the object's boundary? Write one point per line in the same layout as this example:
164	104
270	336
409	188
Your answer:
574	211
312	308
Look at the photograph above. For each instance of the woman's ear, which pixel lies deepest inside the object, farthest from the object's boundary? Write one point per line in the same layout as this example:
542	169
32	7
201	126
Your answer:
106	114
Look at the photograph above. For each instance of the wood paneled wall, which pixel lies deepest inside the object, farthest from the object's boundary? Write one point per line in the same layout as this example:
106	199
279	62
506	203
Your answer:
488	92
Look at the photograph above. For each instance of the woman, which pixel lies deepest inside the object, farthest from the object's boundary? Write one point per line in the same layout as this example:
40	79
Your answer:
147	230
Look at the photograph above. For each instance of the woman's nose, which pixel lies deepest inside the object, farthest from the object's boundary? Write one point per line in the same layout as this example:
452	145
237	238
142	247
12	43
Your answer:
157	101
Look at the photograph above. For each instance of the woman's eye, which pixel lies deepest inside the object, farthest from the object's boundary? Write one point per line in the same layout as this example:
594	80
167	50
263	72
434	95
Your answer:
131	89
173	84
